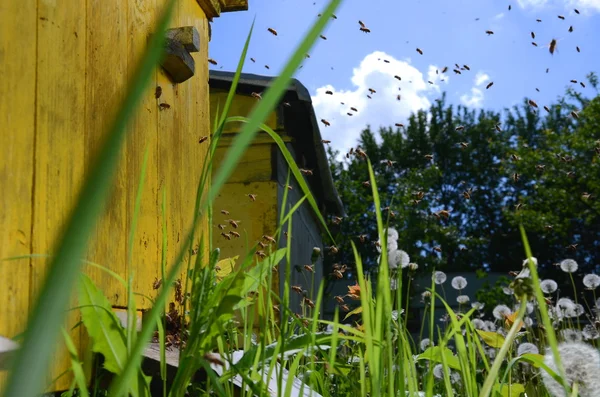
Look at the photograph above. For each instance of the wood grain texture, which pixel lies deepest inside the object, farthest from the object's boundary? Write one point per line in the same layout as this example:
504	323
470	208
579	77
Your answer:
18	27
60	141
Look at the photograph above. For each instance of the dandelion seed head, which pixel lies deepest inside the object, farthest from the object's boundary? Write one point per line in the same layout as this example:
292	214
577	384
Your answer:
454	377
413	267
565	304
527	348
462	299
528	321
477	305
439	277
533	259
548	286
392	234
582	366
591	281
459	282
438	371
398	258
568	266
590	332
479	324
501	311
508	291
571	335
425	343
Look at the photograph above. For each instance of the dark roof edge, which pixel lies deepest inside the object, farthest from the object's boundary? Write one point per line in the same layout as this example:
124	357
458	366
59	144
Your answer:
251	83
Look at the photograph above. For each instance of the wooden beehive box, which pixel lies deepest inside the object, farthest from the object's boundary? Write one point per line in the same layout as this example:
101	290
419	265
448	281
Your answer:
263	171
64	70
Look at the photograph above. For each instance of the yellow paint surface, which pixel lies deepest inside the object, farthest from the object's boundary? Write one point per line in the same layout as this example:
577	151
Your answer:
64	73
242	105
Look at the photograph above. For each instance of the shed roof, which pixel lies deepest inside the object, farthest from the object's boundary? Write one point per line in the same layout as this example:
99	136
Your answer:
301	123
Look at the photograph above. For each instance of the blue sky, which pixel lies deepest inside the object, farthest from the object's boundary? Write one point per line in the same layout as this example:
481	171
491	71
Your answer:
350	61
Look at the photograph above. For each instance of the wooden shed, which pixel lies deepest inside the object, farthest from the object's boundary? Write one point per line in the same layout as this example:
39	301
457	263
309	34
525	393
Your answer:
64	69
263	171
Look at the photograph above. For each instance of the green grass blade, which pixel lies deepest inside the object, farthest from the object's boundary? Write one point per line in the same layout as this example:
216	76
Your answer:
49	311
76	365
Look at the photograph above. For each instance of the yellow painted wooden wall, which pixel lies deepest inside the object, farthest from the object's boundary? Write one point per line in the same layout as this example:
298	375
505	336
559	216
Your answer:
64	69
253	175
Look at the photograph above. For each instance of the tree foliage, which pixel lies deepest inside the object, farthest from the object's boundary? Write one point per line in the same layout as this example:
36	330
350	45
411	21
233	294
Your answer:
462	180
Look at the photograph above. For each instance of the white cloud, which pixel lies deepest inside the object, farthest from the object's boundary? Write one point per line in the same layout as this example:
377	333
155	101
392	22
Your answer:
585	6
384	109
475	97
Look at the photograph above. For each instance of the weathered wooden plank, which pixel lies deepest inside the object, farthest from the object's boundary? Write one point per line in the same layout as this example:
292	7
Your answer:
18	22
59	147
241	106
144	135
255	165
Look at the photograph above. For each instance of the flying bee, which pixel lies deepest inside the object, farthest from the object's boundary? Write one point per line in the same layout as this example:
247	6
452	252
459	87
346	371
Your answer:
323	37
372	91
576	11
261	254
333	250
533	35
466	67
518	206
538	20
533	43
489	32
287	105
459	128
429	157
464	145
272	31
164	106
572	247
309	303
157	283
467	193
514	157
581	84
224	212
369	96
328	92
354	109
445	69
552	46
420	51
337	220
361	153
389	163
269	239
235	234
203	139
305	172
456	71
256	95
399	125
350	114
577	48
325	141
571	174
491	83
398	78
561	17
157	92
444	213
586	196
233	223
327	123
339	299
430	82
267	67
221	227
309	268
515	177
540	167
298	289
546	108
212	61
398	97
366	184
337	274
574	114
253	60
362	238
362	24
574	81
437	248
252	196
345	308
570	29
532	103
366	30
226	235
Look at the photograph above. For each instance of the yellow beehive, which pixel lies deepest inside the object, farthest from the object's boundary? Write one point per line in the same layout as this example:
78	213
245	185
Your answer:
64	69
263	171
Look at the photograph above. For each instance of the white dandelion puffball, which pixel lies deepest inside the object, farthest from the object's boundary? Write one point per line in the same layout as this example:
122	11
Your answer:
590	332
501	311
479	324
548	286
527	348
392	234
508	291
459	282
462	299
569	266
477	305
425	343
572	335
591	281
533	259
392	245
398	258
528	321
582	366
565	304
439	277
438	371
